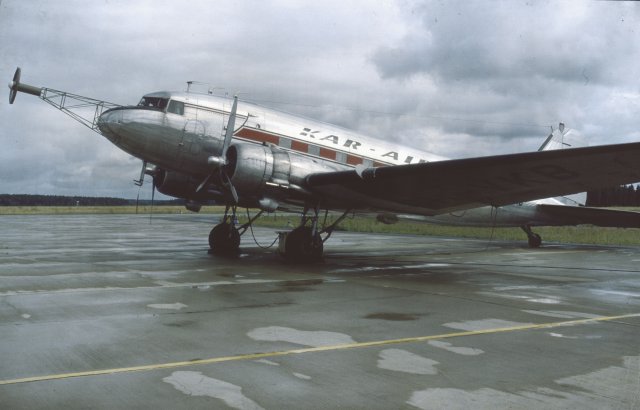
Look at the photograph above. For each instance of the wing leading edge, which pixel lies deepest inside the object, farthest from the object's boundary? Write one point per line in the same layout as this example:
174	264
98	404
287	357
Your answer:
444	186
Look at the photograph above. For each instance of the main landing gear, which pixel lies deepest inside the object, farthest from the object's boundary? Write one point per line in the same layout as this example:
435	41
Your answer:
224	238
301	245
534	239
305	243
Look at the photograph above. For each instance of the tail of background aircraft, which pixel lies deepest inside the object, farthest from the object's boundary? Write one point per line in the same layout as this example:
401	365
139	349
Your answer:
560	139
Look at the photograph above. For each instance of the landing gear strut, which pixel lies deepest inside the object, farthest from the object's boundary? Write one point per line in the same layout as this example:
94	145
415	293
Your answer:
534	239
302	245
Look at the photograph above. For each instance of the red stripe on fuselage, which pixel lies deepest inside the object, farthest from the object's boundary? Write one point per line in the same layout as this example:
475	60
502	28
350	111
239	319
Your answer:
259	136
353	160
303	147
327	153
299	146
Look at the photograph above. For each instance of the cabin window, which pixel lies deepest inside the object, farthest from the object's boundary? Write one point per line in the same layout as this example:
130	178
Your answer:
176	107
153	103
314	150
285	143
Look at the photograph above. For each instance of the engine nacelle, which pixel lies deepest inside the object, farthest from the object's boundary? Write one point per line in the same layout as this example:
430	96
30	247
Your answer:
175	184
249	167
252	168
183	186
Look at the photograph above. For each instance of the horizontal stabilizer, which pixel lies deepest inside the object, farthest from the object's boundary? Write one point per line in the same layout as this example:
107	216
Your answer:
573	215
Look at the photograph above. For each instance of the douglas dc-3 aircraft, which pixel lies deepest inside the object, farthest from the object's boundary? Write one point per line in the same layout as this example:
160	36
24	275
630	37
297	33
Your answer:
203	148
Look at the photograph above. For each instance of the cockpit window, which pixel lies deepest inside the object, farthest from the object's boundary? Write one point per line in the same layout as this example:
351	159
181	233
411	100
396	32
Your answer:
153	102
176	107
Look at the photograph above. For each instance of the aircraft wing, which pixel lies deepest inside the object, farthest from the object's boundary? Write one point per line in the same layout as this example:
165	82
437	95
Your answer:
444	186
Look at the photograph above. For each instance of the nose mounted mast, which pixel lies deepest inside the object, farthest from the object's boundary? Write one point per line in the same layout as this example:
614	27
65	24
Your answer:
85	110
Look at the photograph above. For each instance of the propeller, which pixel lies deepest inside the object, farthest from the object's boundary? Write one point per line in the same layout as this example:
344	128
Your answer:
220	162
13	85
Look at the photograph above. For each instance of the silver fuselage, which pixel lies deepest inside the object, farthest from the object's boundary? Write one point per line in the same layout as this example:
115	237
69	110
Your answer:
179	131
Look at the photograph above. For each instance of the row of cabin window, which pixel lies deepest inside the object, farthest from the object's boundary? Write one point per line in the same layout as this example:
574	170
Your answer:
177	107
340	157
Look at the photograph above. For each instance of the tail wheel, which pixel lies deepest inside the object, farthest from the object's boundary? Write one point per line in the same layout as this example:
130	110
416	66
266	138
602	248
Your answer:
535	241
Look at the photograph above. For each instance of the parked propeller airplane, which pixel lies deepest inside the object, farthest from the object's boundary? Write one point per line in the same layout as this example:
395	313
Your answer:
202	148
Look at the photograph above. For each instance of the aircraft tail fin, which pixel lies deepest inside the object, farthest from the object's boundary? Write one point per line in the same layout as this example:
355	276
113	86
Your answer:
563	138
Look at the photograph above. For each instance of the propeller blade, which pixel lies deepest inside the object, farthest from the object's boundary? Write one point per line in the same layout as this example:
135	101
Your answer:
13	85
231	124
204	183
234	193
228	184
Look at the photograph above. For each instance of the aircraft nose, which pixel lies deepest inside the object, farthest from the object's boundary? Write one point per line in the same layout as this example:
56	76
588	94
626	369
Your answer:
110	117
109	122
133	129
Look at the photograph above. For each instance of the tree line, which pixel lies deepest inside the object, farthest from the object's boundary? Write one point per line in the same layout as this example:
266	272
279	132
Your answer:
60	200
624	195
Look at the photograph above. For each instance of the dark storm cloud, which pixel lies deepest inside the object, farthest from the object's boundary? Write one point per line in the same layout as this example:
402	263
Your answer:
505	65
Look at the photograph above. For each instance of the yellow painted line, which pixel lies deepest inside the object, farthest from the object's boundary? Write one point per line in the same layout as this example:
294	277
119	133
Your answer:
253	356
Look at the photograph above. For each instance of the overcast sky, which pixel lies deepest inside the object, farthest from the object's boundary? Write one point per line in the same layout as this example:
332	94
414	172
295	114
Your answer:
458	79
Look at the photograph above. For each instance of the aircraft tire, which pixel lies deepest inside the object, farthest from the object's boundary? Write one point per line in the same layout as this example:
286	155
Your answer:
301	246
224	239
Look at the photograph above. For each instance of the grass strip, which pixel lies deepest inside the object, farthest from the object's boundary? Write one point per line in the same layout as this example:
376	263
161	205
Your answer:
564	234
